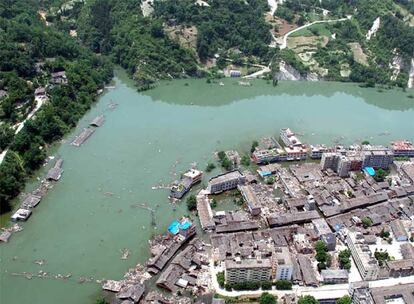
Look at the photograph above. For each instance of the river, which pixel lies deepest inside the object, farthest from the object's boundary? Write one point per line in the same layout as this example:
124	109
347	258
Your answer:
79	228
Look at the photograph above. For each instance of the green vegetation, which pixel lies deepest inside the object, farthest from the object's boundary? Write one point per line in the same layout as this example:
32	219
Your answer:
366	222
380	175
345	259
283	285
270	180
213	203
140	45
307	300
384	234
221	279
191	203
255	144
225	162
266	285
365	142
26	41
210	167
245	160
344	300
322	255
267	298
382	257
223	25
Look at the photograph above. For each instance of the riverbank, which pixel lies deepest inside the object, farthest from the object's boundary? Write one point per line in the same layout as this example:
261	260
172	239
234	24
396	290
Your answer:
85	221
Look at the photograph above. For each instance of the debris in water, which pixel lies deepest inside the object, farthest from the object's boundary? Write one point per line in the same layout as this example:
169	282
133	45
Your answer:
125	253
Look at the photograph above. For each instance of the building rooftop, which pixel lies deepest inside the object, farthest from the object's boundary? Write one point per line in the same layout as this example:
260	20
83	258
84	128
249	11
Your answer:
225	177
248	263
402	145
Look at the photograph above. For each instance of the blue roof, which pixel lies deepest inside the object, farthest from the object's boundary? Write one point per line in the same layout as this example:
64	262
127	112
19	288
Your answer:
369	170
265	173
174	227
185	225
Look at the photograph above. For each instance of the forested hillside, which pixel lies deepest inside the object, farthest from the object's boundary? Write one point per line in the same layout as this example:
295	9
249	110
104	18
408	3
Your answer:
30	52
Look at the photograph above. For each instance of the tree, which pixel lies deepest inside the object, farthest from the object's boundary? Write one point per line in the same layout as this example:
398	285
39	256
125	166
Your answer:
245	161
267	298
210	167
307	300
6	136
221	279
283	285
191	202
384	234
345	259
380	175
255	144
344	300
321	253
365	142
366	222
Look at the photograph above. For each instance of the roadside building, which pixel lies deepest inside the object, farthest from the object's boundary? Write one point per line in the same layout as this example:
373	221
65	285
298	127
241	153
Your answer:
359	292
363	257
324	233
226	181
248	270
284	268
250	198
307	270
403	293
334	276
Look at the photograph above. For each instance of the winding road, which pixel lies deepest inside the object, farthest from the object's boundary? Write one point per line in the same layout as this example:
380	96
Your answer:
283	45
39	103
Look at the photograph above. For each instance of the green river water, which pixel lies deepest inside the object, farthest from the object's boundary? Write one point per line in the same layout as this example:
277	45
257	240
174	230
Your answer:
79	229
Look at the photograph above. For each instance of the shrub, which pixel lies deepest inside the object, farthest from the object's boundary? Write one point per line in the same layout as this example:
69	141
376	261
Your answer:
283	285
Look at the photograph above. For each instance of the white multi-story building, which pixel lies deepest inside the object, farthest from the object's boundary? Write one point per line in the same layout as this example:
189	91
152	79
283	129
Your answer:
248	270
226	181
363	257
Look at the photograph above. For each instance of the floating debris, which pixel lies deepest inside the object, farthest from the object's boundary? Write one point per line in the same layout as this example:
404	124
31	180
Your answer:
40	262
97	121
125	253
